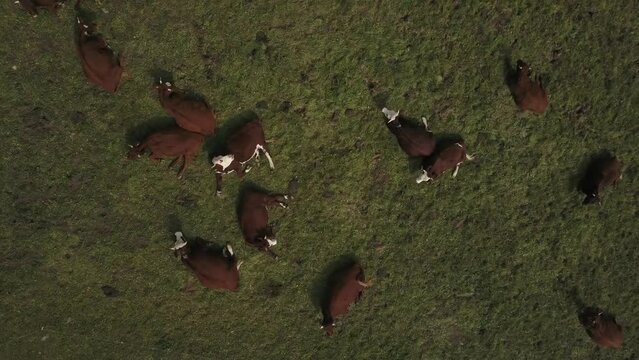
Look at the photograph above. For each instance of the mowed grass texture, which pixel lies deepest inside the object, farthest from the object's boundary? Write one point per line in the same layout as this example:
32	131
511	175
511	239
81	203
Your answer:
493	264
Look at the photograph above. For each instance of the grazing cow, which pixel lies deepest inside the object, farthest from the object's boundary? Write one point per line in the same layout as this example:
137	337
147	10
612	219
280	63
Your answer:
413	140
451	156
253	218
32	6
191	114
175	142
345	288
602	328
100	63
601	173
528	94
214	270
244	145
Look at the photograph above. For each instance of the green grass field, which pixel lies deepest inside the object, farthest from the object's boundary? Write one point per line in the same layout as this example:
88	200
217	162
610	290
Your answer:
490	265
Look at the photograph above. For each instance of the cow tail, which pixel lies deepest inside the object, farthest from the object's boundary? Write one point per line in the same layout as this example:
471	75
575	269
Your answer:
268	156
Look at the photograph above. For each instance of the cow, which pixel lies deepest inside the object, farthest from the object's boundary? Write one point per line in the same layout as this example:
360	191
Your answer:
215	270
174	142
345	288
529	94
448	157
602	172
244	145
415	141
253	218
32	6
100	63
602	328
191	114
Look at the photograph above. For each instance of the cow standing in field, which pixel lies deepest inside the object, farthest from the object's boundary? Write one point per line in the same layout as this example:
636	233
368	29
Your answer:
175	142
449	157
100	63
191	114
414	140
244	145
32	6
601	174
602	328
215	270
345	288
529	94
253	218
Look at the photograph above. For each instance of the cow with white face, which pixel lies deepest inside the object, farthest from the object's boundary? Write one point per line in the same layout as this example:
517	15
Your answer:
445	158
244	145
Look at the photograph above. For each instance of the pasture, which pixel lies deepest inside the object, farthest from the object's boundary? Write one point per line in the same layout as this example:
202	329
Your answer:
493	264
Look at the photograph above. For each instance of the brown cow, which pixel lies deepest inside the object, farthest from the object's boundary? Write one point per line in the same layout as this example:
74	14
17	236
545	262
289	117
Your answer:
253	218
100	63
214	270
32	6
191	114
346	288
602	328
601	174
451	156
528	94
413	140
244	145
175	142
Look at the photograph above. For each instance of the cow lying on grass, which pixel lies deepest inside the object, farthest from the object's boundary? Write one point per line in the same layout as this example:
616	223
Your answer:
215	270
414	140
602	328
448	157
191	114
32	6
601	173
175	142
244	145
253	218
529	94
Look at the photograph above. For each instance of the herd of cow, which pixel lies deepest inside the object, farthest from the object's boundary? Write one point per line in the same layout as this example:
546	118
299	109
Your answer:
195	120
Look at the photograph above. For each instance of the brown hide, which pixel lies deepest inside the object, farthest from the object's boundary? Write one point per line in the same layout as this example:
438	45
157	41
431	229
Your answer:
175	142
345	290
213	269
100	63
528	94
191	114
32	6
602	328
253	217
601	174
445	159
415	141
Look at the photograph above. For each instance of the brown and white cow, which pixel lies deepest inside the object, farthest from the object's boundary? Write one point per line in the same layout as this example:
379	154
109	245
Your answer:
244	145
602	328
253	218
601	174
191	114
529	94
174	142
346	288
449	157
415	141
32	6
215	270
100	63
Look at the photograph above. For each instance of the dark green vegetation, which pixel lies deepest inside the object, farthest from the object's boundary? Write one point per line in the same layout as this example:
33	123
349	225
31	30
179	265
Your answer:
490	265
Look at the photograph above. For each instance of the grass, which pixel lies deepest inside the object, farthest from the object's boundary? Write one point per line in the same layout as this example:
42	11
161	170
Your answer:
490	265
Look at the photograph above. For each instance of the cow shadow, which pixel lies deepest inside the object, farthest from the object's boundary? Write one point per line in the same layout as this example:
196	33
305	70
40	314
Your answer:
320	289
509	72
216	145
173	224
138	133
585	180
158	74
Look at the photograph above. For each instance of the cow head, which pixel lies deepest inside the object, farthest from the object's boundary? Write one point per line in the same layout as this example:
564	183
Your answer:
523	68
134	152
180	246
222	162
164	86
427	175
592	199
85	28
328	325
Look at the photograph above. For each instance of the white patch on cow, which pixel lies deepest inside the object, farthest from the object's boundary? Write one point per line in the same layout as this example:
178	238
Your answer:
423	177
271	242
229	249
456	170
239	264
179	241
268	156
460	145
425	123
390	114
223	160
469	157
168	84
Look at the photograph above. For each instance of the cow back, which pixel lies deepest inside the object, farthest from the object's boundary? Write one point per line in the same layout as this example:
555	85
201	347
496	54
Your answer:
446	159
253	217
213	270
415	141
191	114
606	333
243	142
346	291
174	142
100	64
